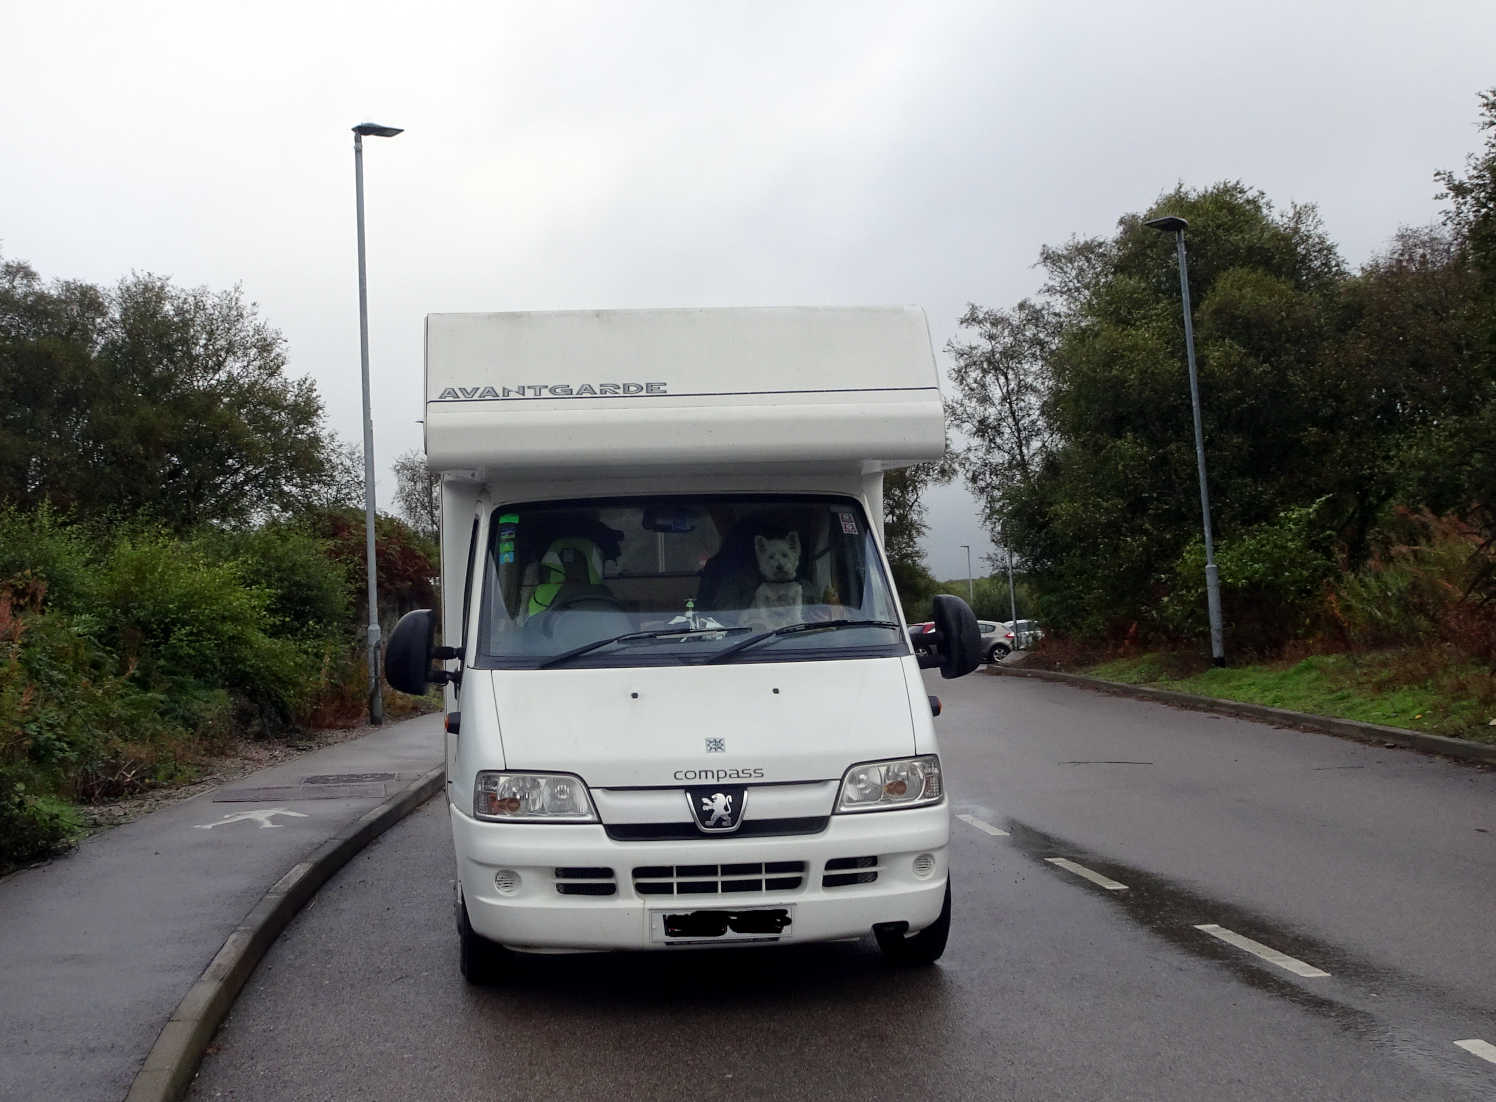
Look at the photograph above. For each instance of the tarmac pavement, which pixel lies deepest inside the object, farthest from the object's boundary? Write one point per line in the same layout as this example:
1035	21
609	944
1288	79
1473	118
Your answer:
98	948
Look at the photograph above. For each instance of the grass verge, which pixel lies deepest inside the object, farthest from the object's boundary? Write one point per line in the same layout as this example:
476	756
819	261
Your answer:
1422	689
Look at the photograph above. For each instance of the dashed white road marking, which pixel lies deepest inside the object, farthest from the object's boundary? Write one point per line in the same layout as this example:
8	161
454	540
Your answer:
1257	949
1476	1047
1094	877
972	820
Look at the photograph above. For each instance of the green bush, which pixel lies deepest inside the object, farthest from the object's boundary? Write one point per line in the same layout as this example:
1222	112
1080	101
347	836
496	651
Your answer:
31	826
1273	581
1421	584
308	592
124	653
177	618
41	545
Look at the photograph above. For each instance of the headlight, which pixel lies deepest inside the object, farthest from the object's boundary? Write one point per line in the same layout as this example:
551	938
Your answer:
531	797
886	785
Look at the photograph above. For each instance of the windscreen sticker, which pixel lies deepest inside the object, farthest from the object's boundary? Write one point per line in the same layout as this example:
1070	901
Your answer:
506	545
848	523
506	557
509	518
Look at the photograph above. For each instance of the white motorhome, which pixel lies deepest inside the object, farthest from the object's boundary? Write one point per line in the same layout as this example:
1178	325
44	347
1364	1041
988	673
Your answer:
683	708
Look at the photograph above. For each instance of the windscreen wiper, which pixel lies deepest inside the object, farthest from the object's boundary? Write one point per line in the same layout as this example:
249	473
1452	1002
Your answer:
633	637
795	629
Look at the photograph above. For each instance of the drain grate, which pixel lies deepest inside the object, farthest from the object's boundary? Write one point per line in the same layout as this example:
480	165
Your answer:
347	778
289	792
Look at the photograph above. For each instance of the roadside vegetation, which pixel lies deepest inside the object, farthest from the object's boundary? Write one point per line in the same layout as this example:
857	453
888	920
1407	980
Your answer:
181	551
1350	434
1426	689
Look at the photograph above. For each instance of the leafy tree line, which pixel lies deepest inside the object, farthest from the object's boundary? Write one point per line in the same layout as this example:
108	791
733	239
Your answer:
1349	420
181	545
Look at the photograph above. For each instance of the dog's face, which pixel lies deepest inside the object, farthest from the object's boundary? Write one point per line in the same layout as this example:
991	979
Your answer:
777	559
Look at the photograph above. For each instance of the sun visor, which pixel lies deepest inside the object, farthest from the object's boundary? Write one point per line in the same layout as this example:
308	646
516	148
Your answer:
568	393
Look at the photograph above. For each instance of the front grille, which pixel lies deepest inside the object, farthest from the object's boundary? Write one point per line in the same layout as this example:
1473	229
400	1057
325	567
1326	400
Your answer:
842	871
685	831
574	880
752	876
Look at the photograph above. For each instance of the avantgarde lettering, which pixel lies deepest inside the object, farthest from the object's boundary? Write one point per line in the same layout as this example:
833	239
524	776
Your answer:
550	390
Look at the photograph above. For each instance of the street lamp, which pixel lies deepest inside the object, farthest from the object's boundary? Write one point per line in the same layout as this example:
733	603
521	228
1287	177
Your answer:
1176	225
1012	597
376	704
971	585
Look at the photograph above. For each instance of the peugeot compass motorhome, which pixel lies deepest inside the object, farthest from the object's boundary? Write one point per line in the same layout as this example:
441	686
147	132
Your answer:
682	705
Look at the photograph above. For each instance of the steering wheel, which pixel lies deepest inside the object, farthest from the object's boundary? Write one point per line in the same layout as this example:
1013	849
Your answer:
581	602
591	602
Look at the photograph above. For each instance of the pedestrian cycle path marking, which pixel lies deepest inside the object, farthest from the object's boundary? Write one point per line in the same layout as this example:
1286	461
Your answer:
1094	877
972	820
1476	1047
1257	949
262	815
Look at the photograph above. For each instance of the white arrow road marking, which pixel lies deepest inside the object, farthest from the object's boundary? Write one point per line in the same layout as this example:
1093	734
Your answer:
261	815
1094	877
1476	1047
972	820
1257	949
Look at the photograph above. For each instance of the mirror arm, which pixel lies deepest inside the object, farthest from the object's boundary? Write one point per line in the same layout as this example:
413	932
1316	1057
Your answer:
441	654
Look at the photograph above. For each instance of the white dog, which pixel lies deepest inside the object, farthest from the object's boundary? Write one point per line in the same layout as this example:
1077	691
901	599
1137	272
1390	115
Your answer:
778	599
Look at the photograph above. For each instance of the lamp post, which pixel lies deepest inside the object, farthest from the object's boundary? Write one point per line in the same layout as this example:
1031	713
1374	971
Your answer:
971	585
1012	597
1176	225
376	704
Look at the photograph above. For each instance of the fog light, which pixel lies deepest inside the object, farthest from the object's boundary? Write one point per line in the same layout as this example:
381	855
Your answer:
924	865
506	881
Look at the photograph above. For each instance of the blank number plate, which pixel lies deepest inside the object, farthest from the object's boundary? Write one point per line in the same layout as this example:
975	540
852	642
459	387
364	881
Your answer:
720	926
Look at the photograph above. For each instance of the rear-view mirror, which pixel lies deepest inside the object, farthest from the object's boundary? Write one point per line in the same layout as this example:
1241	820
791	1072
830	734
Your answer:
960	645
407	658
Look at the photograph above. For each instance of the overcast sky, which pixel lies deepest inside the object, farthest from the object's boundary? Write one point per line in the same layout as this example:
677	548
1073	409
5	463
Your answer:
675	154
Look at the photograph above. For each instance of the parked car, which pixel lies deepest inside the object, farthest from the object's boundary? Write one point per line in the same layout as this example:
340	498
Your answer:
1008	636
915	631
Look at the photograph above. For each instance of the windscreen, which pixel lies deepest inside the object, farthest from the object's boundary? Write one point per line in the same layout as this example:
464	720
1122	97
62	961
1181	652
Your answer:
645	581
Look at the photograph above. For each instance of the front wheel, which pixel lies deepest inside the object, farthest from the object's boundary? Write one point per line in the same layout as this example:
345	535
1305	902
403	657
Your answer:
997	652
924	947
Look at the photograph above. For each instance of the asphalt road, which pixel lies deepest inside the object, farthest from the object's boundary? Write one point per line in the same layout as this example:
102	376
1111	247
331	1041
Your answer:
1377	867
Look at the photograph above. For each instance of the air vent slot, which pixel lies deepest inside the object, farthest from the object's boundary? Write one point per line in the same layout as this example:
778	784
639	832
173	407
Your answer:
843	872
585	880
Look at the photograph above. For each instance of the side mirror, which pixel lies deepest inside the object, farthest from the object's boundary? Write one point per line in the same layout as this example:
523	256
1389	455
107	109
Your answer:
407	658
960	637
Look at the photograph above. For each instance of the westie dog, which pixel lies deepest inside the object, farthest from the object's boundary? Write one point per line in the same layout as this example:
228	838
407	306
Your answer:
777	601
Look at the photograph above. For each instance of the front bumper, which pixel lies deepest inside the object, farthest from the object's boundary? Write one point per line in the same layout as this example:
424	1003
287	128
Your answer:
537	915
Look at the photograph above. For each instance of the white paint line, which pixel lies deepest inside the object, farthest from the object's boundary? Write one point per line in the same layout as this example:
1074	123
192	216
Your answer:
1094	877
972	820
1475	1046
1257	949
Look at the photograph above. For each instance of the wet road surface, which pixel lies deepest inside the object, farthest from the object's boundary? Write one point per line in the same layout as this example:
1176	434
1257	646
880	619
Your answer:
1077	967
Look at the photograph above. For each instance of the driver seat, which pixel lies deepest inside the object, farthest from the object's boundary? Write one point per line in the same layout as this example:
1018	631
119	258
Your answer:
570	572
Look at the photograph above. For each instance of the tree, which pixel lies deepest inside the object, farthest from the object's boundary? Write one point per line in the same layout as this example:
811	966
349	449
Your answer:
1111	502
1471	216
1001	381
1464	448
418	493
150	399
342	484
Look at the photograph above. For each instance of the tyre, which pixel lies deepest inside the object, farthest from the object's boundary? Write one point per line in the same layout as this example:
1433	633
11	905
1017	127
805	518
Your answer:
924	947
997	652
482	962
